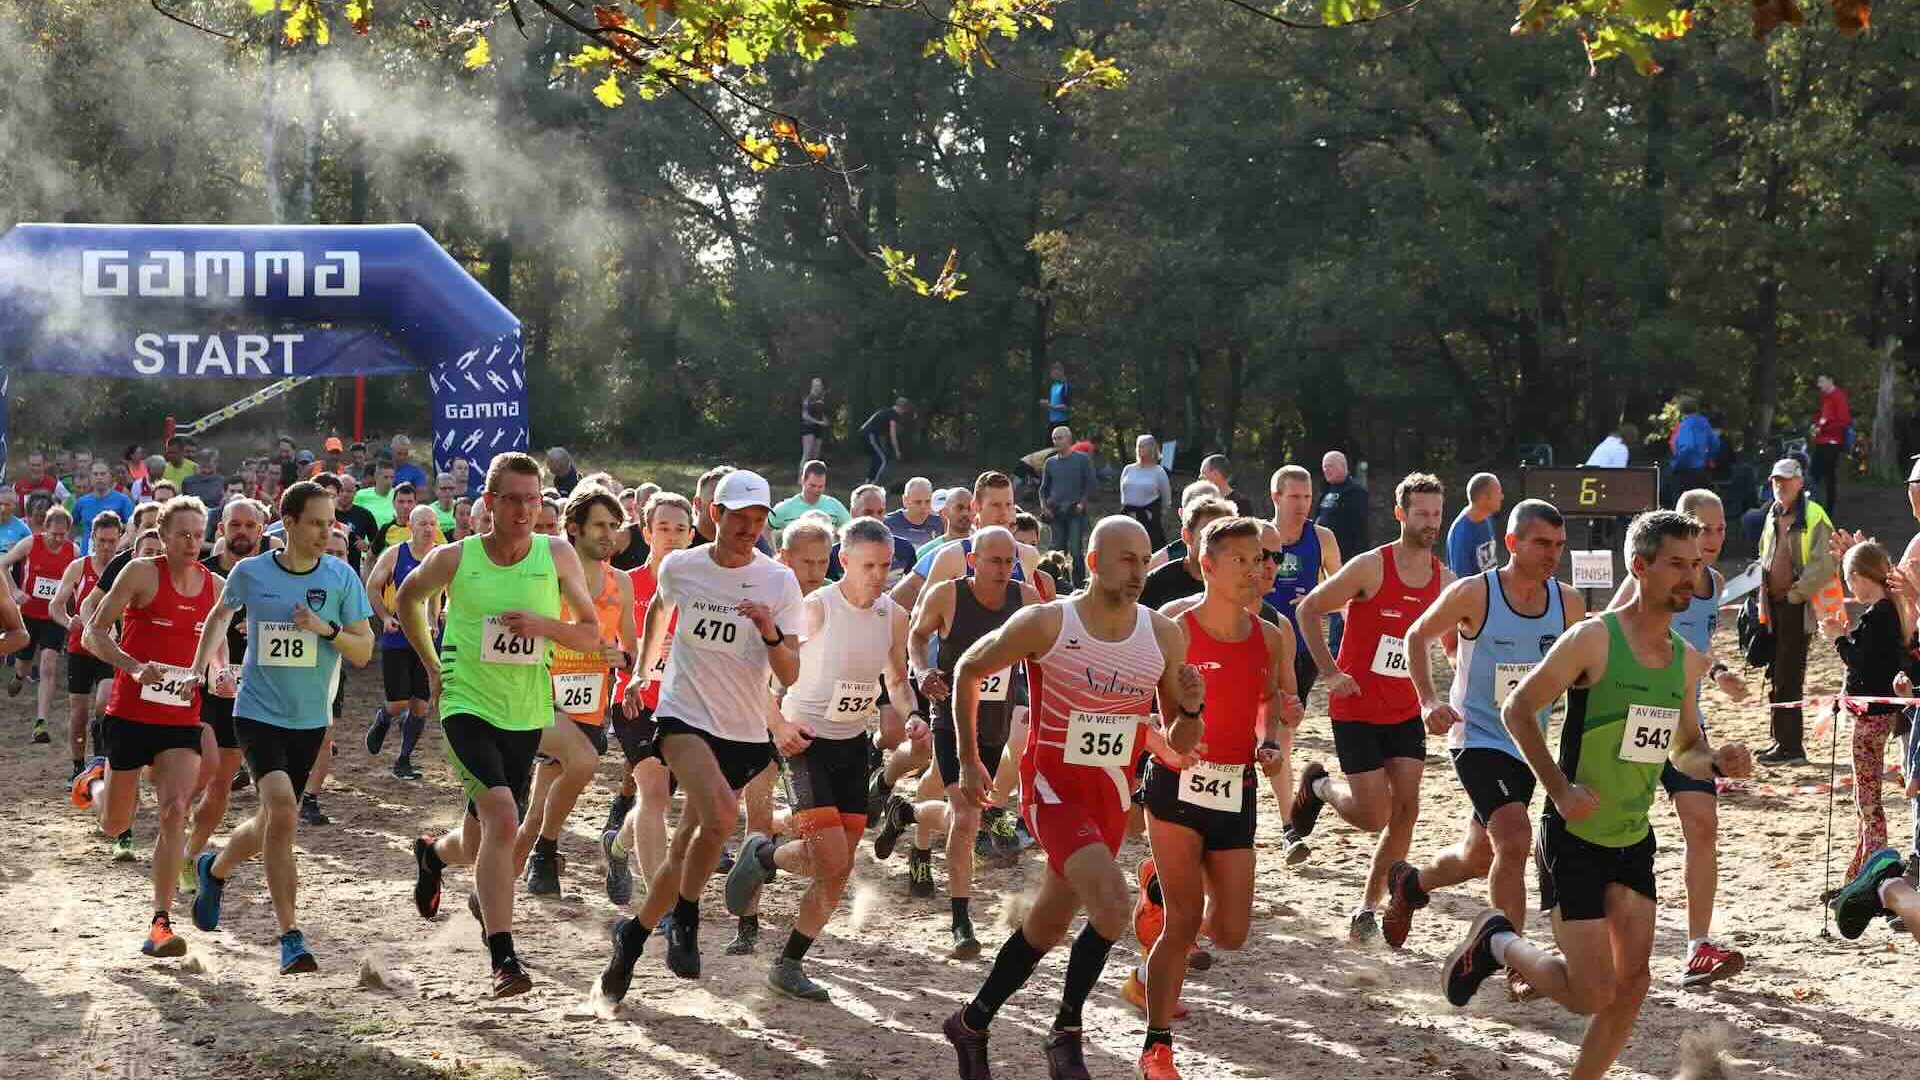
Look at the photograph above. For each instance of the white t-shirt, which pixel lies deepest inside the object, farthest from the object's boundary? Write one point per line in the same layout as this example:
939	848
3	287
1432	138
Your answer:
717	672
841	667
1610	454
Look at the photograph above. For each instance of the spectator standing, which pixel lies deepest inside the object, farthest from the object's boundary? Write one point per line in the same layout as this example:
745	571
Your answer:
1059	399
881	433
1065	486
1146	491
1798	568
1343	506
99	497
405	469
1694	444
565	476
1471	546
813	422
1616	450
1830	426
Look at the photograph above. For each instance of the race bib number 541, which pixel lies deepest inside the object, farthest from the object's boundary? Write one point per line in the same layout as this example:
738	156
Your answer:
1103	740
1648	733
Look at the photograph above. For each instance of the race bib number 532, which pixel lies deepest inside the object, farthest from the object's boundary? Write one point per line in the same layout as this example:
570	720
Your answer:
1103	740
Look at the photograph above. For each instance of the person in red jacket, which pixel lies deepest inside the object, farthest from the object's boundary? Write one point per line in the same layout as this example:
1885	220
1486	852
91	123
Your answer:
1830	440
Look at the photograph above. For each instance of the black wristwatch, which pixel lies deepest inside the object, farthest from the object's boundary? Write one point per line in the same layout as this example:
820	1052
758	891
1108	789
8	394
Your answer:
777	641
333	631
1719	667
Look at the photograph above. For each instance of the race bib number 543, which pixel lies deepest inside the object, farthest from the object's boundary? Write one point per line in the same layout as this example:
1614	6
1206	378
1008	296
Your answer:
1103	740
1648	733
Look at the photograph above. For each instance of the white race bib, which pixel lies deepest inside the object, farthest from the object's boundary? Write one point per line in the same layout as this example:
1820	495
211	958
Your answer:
1103	740
718	633
1648	733
995	686
175	690
1505	678
578	692
45	587
499	645
1390	658
1213	785
854	700
282	644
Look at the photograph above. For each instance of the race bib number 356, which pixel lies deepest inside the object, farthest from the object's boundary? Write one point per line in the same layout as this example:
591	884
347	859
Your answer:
1390	658
1648	733
1103	740
499	645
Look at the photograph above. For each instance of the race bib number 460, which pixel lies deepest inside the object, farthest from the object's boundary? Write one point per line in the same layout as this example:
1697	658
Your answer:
1390	658
1648	733
499	645
176	687
1103	740
282	644
1213	785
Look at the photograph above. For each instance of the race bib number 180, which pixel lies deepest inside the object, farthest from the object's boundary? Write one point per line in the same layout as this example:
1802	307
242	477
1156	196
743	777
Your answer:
1104	740
499	645
1390	658
1648	733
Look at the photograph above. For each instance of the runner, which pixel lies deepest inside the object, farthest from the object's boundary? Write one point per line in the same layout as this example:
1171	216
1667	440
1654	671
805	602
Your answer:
1177	550
1505	620
307	610
1696	802
492	688
85	675
915	521
1095	660
582	682
153	717
45	557
403	677
992	505
953	616
241	521
711	726
1202	807
641	828
1180	579
1880	888
852	636
1377	731
1307	554
1632	711
956	510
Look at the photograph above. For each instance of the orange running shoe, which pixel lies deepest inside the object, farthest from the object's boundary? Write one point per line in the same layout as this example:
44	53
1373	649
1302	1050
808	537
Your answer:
161	940
1157	1064
1134	993
82	791
1149	918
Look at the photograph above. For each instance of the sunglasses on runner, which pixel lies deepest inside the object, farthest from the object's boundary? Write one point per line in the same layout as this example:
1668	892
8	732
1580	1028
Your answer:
1273	557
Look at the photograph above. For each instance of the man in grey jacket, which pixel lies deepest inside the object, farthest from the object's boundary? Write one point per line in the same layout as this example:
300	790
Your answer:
1066	482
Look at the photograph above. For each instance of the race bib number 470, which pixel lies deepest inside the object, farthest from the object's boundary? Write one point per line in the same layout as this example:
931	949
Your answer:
499	645
1390	658
1647	735
1103	740
713	632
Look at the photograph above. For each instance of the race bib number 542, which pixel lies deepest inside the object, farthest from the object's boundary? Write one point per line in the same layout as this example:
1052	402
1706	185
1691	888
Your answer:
1103	740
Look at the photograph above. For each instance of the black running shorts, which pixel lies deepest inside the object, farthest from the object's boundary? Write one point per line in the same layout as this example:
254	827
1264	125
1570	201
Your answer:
271	748
1574	874
485	757
739	762
45	635
1219	830
1492	779
133	745
946	751
402	676
85	672
1363	747
829	773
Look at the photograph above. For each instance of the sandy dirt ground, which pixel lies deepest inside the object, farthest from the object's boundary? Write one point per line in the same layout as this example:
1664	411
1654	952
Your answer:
78	999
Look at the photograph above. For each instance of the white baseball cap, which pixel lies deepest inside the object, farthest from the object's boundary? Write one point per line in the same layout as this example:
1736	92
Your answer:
1913	474
1787	467
940	497
742	488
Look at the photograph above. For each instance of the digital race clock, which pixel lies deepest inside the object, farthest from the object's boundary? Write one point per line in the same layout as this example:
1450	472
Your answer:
1585	491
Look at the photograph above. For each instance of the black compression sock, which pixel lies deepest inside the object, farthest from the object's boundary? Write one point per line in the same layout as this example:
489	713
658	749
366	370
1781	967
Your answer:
500	947
1153	892
1084	965
1012	967
1158	1037
431	854
960	914
633	935
797	946
544	846
410	729
686	914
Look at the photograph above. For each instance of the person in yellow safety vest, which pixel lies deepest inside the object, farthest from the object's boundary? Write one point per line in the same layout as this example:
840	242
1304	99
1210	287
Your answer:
1801	585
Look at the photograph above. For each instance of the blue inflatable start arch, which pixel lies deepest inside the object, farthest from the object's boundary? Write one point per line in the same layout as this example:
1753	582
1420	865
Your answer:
267	302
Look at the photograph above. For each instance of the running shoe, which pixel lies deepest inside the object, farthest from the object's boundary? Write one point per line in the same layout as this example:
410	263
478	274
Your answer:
1306	805
206	901
14	687
185	883
1157	1064
877	791
724	864
970	1045
1363	926
294	957
1004	826
121	849
617	812
748	875
919	874
1064	1059
81	791
787	977
1134	993
618	977
1858	901
619	874
377	731
965	945
1710	962
242	779
1199	959
404	769
1469	964
543	874
161	940
1149	918
683	950
897	818
40	736
746	937
1404	897
426	882
310	812
509	980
